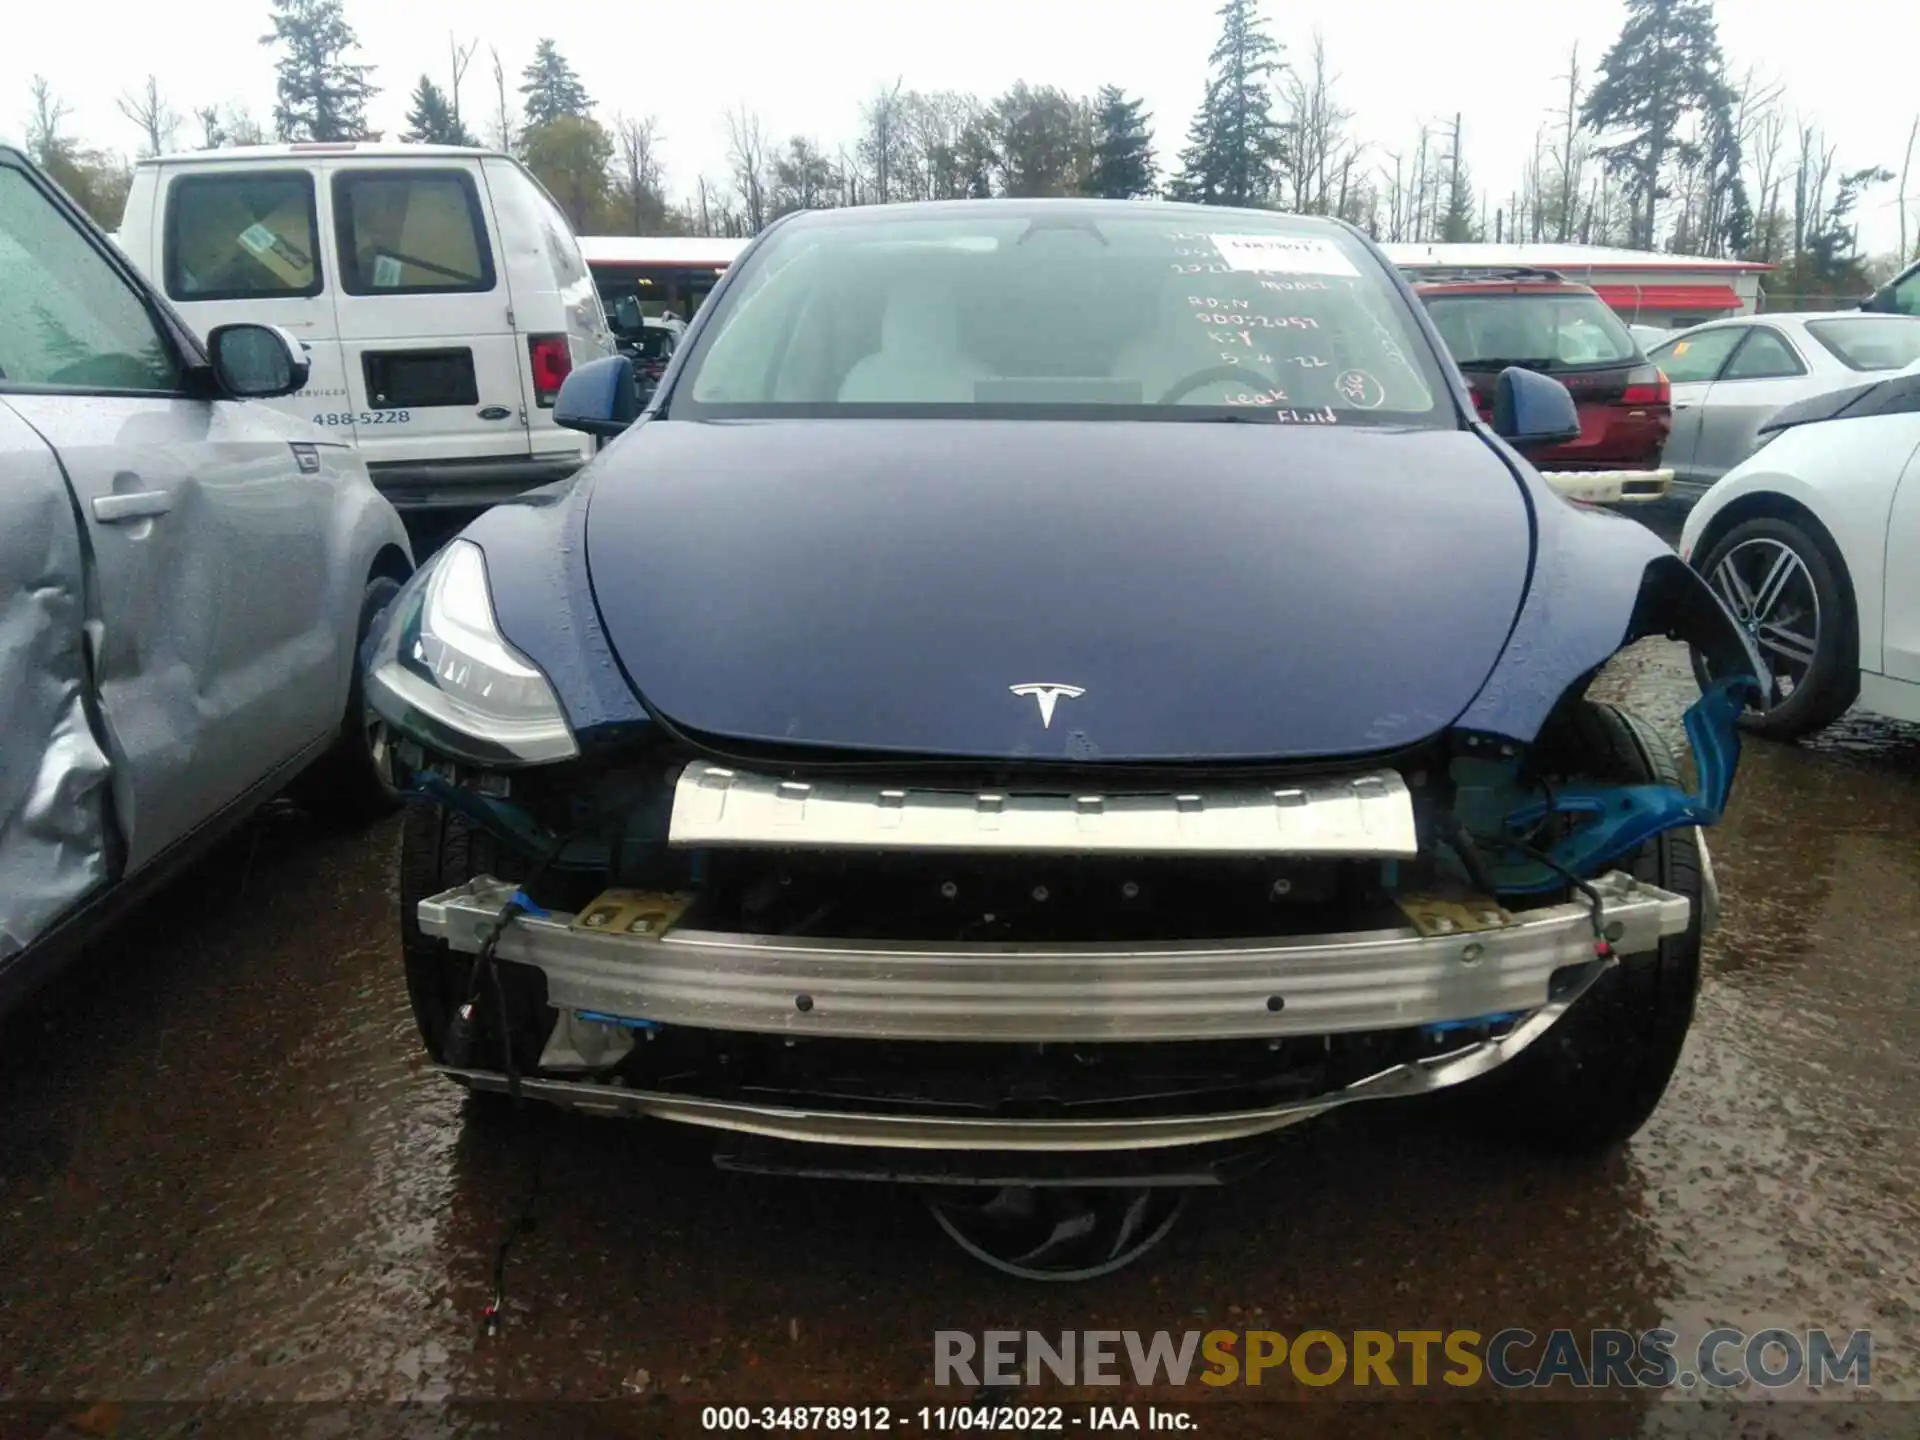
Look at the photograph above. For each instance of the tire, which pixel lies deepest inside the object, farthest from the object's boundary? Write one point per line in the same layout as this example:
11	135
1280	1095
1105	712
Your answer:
1593	1079
351	784
1809	694
439	850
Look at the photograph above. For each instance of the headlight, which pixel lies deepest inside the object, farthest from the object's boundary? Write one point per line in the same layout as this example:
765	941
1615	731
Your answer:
443	673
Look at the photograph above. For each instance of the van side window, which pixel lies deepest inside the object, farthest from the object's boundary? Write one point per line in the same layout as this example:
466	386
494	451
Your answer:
512	182
562	248
237	237
68	319
411	232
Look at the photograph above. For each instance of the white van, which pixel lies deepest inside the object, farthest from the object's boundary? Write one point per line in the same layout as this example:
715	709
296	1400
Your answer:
440	290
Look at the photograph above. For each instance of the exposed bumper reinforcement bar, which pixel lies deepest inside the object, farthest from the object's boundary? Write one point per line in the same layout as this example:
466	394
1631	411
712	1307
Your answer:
1348	815
1611	487
997	992
948	1132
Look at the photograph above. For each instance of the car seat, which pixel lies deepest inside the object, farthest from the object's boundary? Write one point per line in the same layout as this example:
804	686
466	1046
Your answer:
920	358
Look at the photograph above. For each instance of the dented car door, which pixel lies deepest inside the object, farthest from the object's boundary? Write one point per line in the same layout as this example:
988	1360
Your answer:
53	772
213	656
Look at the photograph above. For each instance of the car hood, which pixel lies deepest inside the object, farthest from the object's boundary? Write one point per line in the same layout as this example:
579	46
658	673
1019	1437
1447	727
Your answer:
1189	591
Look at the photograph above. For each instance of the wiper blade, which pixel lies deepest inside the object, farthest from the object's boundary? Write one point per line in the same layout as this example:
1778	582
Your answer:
1496	362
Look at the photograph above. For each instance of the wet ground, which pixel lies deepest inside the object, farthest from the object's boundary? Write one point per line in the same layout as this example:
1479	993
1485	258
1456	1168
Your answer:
224	1175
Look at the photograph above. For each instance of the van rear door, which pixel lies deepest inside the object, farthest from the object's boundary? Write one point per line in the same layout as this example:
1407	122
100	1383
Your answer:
426	329
243	244
558	312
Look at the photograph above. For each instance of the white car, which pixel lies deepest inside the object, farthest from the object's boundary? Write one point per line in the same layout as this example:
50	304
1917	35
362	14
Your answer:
1730	377
1814	543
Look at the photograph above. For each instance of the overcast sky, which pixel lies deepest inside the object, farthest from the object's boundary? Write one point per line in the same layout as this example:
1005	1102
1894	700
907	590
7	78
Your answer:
807	64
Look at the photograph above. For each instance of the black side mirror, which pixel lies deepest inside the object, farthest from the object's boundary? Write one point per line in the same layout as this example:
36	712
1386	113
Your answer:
1533	411
1880	302
257	362
600	398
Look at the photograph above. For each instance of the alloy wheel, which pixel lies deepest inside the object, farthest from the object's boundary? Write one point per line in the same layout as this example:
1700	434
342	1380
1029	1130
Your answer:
1767	586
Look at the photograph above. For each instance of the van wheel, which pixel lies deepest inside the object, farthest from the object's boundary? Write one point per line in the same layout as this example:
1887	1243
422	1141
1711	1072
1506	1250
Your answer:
352	784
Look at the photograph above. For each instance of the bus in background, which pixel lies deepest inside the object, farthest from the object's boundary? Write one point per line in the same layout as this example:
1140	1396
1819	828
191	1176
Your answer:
662	277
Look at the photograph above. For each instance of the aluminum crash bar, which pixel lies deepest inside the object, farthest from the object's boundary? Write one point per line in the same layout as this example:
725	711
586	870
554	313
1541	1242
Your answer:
995	992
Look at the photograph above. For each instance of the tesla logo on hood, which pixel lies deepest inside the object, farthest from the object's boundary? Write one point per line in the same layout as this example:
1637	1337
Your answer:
1046	695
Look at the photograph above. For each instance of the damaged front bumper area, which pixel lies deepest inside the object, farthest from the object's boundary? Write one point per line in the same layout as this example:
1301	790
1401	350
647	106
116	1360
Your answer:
1406	1010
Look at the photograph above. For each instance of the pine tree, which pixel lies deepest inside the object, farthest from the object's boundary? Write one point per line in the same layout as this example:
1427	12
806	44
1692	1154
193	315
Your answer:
431	121
977	159
320	95
551	88
1456	221
1235	143
1665	65
1122	147
1037	129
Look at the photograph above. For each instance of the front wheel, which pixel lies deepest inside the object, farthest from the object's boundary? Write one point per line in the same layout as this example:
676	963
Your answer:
1593	1079
352	783
438	851
1783	584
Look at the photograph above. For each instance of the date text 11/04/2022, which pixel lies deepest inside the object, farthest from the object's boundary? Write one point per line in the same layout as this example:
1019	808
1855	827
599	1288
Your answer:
339	418
939	1419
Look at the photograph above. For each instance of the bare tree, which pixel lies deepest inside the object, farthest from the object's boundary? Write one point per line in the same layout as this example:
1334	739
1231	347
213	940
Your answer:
459	57
641	189
747	158
1811	172
883	144
1533	195
503	134
156	119
1407	188
242	128
1713	167
212	133
1570	152
931	163
1319	147
44	140
1769	135
1906	168
221	129
712	214
1457	219
850	189
1359	200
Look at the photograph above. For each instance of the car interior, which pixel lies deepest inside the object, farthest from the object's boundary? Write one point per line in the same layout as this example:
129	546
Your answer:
1056	318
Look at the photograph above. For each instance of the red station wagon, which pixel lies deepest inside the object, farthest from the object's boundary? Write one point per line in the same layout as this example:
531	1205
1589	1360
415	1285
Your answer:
1540	321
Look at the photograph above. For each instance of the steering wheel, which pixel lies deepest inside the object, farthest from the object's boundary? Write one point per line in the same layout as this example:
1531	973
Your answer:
1245	374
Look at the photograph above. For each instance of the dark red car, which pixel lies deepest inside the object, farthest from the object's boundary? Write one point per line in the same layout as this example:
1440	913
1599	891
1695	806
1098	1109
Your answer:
1540	321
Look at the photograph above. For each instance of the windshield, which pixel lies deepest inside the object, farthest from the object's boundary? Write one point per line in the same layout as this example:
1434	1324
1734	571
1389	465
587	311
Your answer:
1555	331
1013	310
1870	342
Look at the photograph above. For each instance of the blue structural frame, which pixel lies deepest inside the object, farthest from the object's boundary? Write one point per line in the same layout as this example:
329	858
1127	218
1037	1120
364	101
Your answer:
1621	818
